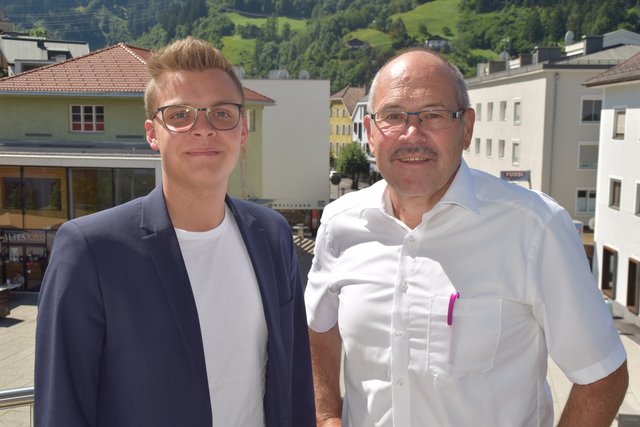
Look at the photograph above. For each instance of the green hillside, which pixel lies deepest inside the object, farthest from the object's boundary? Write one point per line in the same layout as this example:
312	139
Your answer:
312	35
437	15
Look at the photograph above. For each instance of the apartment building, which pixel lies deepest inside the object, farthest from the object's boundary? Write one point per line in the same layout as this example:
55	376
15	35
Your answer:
538	125
617	217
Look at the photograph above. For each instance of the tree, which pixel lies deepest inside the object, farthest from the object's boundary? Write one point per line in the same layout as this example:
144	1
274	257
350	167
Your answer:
353	162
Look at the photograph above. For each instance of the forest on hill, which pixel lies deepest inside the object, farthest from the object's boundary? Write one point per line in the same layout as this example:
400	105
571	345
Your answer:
323	36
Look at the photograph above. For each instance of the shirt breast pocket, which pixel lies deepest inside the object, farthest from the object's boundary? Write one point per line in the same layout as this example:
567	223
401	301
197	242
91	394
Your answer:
467	346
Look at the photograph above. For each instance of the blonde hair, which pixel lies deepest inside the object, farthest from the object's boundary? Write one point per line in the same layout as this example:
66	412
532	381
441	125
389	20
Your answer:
187	54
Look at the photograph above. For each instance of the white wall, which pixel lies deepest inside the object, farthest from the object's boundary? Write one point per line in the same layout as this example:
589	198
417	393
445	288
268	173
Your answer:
619	159
530	92
295	142
550	132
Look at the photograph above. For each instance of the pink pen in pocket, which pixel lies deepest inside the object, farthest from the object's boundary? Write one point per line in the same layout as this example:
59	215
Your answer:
452	301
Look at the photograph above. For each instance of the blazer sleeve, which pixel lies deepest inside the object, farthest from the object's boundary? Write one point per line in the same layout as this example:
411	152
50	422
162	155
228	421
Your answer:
69	335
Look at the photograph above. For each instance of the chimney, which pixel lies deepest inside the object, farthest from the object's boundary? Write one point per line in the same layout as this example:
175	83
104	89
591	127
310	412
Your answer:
542	54
593	44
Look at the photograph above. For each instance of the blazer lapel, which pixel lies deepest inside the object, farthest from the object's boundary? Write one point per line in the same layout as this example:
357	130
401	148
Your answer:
163	247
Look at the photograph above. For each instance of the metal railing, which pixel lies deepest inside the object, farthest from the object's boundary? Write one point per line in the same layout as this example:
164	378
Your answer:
17	397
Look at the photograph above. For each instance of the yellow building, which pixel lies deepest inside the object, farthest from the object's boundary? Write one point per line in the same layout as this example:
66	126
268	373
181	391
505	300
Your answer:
342	104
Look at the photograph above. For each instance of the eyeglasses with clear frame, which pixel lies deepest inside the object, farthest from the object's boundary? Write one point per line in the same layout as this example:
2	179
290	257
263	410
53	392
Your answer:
396	121
181	118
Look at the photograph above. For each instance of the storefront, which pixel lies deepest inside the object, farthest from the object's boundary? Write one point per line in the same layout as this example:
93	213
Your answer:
36	199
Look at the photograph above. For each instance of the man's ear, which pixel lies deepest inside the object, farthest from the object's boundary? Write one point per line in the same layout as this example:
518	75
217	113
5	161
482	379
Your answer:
245	130
152	139
367	127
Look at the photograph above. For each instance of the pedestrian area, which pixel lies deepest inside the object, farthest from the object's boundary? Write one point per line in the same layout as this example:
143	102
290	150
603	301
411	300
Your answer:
17	333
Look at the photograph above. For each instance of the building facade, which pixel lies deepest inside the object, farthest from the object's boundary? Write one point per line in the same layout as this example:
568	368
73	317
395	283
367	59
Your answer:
73	143
341	107
538	125
20	53
617	221
294	151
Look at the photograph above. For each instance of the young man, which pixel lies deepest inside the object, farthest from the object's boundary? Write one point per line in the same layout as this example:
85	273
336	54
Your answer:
448	287
184	307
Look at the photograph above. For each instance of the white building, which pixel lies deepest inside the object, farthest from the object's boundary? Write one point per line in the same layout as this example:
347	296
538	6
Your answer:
24	53
295	134
617	222
538	125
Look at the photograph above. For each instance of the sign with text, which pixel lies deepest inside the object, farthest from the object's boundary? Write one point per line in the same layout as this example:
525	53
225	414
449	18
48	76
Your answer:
516	175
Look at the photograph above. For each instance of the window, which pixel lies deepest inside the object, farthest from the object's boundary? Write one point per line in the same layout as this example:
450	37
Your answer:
586	202
517	112
501	144
87	118
490	111
503	111
477	150
633	286
35	196
251	120
609	271
614	193
591	110
489	147
515	153
345	130
637	211
344	113
95	189
337	129
588	156
478	112
618	124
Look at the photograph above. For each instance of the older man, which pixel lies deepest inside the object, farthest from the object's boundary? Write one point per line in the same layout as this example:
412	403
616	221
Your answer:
448	287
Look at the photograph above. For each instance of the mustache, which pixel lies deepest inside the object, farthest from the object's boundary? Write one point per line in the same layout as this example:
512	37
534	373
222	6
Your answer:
420	150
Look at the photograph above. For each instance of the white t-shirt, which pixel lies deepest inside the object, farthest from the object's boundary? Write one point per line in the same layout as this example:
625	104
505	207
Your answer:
525	289
234	331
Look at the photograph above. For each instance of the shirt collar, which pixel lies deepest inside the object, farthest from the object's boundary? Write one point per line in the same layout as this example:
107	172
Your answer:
461	192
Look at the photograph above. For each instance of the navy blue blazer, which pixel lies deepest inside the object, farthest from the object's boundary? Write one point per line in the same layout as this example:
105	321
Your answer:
118	340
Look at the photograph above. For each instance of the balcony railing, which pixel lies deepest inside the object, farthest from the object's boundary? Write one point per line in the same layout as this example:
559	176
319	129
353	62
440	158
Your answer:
17	397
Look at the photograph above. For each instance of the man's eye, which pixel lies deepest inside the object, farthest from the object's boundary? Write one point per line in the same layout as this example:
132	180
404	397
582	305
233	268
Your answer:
431	115
180	115
220	114
394	117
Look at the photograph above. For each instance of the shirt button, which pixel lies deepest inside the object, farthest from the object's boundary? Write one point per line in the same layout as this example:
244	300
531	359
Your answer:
411	239
404	286
398	332
399	382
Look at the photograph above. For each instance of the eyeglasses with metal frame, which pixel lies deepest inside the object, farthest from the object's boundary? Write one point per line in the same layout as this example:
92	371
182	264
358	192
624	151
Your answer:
396	121
181	118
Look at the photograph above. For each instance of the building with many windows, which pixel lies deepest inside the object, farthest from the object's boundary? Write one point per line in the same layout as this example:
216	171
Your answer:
341	107
538	125
73	143
617	218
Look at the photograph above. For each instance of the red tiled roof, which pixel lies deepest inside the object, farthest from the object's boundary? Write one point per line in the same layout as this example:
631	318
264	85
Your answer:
350	96
116	69
626	71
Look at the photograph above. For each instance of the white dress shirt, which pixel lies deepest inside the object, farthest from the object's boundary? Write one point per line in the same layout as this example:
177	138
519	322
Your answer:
525	291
